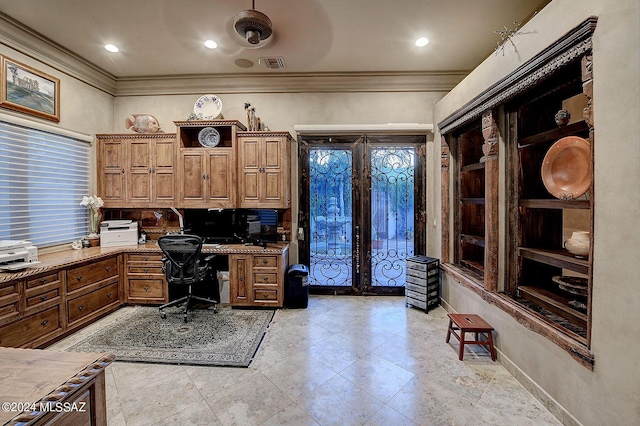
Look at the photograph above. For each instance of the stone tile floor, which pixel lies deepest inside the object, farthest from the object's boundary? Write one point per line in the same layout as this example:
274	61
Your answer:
342	361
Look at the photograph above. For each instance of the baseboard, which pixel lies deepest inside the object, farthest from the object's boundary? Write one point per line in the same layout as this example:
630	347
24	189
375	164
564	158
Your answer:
557	410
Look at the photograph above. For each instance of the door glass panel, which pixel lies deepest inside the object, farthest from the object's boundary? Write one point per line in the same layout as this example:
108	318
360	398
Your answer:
392	214
330	216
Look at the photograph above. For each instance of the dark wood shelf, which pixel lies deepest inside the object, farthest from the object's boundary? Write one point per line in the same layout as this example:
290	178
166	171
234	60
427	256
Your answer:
554	134
474	265
473	239
555	204
554	303
472	200
472	167
559	258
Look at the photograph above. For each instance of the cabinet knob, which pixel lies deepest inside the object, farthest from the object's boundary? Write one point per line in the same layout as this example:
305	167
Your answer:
264	261
108	295
122	171
146	271
43	280
81	307
44	323
146	289
241	278
204	177
265	279
79	278
266	295
108	268
145	258
43	297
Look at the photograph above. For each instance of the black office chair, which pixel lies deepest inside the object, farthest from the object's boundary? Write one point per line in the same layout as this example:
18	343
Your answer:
182	265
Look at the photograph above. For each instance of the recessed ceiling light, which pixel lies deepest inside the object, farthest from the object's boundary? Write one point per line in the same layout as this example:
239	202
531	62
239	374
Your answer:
111	48
211	44
422	41
243	63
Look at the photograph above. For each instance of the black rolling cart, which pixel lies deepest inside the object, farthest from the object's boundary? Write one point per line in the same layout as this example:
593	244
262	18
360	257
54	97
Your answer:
422	287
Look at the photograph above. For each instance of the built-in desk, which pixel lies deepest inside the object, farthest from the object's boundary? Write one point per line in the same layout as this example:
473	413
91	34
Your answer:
70	289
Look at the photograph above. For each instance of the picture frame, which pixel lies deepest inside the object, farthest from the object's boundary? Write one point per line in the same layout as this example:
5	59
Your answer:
28	90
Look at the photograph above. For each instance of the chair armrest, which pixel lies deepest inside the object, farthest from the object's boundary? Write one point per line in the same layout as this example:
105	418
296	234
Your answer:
209	258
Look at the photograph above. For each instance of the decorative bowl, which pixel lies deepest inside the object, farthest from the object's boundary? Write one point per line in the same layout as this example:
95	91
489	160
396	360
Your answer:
566	168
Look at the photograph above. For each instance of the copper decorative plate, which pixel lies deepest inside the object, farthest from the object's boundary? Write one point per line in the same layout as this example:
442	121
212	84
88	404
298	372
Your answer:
566	168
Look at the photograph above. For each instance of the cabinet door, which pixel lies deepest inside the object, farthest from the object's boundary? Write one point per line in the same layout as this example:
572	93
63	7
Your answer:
193	188
139	171
111	171
250	172
240	280
221	178
274	189
163	171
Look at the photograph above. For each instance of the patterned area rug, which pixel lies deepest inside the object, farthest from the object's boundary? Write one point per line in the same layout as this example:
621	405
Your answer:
228	338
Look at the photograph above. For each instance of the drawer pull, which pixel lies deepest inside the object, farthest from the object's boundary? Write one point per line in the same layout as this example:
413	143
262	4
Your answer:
79	278
43	280
266	295
43	297
241	278
81	307
108	295
145	259
146	289
265	279
108	268
44	323
146	271
265	261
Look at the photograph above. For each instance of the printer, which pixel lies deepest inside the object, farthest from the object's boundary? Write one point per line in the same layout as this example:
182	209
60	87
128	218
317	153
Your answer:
118	233
17	254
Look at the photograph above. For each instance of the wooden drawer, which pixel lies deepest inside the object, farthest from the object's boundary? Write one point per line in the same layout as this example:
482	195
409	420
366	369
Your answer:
144	269
265	261
265	295
146	288
9	301
89	303
91	273
43	280
31	328
265	278
53	294
146	257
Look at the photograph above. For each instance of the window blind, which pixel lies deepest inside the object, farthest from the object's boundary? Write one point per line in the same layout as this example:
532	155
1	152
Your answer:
43	177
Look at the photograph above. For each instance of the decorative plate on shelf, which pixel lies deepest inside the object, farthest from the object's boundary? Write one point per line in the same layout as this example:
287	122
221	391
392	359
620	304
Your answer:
573	285
207	107
209	137
566	168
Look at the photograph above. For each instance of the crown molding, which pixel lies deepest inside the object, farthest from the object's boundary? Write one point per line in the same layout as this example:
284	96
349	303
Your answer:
23	39
289	83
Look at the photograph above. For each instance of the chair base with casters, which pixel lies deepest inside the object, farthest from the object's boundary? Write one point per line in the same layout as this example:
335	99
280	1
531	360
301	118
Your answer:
187	300
182	265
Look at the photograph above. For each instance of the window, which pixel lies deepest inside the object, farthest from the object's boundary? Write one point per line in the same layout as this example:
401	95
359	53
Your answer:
43	177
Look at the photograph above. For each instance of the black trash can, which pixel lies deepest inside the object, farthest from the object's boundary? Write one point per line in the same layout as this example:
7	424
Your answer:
296	293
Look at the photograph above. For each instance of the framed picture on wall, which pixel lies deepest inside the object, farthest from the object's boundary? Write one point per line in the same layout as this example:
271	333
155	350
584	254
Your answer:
28	90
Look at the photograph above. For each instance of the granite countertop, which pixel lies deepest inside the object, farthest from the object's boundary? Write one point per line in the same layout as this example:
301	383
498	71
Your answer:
70	257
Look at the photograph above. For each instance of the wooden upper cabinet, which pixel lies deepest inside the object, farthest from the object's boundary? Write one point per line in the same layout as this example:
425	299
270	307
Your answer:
137	170
208	177
263	169
207	174
112	169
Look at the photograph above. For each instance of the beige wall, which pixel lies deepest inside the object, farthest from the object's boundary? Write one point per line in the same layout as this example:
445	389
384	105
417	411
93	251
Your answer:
609	394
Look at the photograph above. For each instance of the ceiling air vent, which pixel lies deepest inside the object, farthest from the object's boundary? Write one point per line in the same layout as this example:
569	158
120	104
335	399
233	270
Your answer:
274	63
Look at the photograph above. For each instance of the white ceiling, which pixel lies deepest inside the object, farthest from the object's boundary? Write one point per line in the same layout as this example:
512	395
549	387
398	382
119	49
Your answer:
165	37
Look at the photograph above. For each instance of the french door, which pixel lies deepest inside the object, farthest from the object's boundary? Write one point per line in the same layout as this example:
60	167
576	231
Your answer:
361	204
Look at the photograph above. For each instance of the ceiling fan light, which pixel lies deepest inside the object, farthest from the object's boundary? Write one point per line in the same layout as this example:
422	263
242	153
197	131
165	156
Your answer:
252	25
422	41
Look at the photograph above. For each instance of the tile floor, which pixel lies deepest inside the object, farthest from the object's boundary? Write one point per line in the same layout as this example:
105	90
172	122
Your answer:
342	361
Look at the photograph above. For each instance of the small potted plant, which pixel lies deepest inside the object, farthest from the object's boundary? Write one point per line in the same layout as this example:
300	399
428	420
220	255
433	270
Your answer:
93	203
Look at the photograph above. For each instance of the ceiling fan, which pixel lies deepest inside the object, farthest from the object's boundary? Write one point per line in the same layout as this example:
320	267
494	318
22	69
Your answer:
253	26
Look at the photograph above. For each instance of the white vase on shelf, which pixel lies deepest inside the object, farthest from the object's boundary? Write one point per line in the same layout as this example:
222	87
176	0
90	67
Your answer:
578	244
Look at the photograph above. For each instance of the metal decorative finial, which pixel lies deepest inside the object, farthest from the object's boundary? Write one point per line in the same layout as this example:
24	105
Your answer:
506	35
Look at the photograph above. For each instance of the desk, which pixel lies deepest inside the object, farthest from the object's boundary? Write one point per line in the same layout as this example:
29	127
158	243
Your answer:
73	381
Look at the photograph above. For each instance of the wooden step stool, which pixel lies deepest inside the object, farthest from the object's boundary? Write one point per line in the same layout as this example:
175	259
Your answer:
470	323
